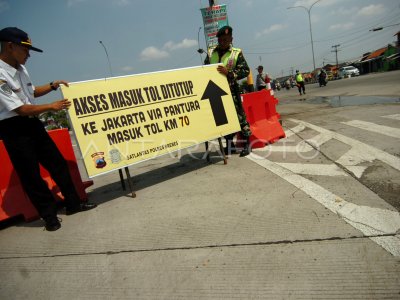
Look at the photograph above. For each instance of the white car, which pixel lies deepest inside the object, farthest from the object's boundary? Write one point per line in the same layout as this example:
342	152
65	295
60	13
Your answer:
348	71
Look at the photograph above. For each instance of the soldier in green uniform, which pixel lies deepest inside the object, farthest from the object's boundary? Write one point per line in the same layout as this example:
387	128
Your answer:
234	68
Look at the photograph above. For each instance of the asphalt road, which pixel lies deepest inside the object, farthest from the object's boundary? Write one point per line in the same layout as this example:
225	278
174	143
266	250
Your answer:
365	109
375	84
312	216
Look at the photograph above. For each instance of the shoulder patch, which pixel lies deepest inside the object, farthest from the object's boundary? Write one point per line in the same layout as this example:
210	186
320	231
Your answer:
5	88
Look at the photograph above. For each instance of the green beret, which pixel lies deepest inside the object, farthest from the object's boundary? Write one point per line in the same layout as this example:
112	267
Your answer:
224	31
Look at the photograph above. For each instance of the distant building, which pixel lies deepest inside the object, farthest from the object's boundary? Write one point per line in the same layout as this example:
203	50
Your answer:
396	58
380	60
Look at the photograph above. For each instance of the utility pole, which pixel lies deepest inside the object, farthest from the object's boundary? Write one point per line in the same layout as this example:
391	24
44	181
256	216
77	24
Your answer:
336	51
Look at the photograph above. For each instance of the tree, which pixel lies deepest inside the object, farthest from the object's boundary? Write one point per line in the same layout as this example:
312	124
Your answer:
55	120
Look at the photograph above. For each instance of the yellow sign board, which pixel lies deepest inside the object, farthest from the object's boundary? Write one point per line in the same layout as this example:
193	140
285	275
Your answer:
121	121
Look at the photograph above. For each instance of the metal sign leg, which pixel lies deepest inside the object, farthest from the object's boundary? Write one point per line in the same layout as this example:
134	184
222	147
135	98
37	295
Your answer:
128	177
207	152
221	148
121	178
130	182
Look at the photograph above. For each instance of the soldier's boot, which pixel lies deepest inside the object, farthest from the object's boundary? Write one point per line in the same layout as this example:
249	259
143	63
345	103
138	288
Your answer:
246	149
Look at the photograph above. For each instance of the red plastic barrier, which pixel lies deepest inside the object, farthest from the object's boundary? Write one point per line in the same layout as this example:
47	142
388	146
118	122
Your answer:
13	199
260	108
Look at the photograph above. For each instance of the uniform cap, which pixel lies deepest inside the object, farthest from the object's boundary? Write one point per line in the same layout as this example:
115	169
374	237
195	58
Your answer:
17	36
224	31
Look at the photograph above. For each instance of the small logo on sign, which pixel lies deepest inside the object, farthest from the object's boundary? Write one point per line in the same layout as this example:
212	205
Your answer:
99	160
115	156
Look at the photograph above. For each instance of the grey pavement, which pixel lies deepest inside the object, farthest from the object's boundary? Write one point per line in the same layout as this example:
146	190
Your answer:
304	218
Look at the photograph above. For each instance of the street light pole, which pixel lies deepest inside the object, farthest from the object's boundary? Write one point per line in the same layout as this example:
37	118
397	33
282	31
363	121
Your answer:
309	20
108	59
381	28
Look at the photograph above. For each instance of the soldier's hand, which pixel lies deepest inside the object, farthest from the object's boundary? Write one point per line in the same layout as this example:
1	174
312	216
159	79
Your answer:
222	70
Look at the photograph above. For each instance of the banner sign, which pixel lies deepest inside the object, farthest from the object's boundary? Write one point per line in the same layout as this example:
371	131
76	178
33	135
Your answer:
214	18
121	121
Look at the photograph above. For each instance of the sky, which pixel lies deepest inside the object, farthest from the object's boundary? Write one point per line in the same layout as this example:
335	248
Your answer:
151	36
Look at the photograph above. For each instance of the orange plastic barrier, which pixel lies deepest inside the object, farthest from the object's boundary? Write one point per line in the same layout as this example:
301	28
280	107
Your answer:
13	199
260	108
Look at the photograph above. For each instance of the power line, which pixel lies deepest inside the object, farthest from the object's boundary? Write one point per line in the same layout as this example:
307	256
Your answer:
361	28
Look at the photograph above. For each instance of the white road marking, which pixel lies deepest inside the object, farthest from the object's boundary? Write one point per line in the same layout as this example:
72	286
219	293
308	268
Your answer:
320	139
354	157
358	171
293	131
370	221
299	148
384	130
359	152
302	147
314	169
348	160
394	117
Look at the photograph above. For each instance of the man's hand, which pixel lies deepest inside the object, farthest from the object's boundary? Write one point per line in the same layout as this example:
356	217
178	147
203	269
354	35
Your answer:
49	87
60	104
34	110
57	83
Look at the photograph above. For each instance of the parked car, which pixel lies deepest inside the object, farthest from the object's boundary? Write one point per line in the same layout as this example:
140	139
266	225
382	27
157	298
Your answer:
348	71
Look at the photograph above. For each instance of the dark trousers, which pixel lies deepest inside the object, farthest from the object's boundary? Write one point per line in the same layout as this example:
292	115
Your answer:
244	124
301	86
28	145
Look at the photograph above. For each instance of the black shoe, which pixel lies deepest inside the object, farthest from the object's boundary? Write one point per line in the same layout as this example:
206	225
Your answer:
246	149
84	206
52	224
244	152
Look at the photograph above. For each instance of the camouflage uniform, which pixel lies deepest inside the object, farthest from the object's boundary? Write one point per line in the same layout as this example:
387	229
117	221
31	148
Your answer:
239	71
